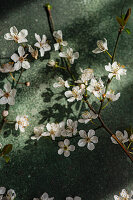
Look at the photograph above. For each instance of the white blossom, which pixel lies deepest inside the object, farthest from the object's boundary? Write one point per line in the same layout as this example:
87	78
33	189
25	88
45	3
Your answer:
21	122
38	131
34	52
111	96
88	116
65	147
76	93
61	83
88	139
69	55
0	146
10	194
6	68
7	96
52	63
96	87
124	195
44	196
59	39
71	127
42	44
115	70
121	137
75	198
17	37
53	130
102	46
20	61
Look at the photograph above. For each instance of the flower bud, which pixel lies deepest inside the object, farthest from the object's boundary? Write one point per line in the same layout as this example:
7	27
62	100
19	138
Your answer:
27	84
131	138
5	113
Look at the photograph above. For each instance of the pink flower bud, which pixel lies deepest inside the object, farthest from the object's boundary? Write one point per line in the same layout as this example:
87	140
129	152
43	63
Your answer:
5	113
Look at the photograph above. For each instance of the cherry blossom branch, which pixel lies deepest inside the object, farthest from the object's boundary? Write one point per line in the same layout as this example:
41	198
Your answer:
49	15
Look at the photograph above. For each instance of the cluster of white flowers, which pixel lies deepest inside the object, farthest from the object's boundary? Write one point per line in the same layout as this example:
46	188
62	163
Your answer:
9	195
45	196
56	130
124	195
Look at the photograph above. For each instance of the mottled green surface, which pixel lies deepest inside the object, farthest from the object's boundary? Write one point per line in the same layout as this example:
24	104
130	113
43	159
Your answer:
37	168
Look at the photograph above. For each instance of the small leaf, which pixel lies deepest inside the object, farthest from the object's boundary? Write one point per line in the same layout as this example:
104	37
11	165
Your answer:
7	158
7	149
127	30
123	16
120	21
127	15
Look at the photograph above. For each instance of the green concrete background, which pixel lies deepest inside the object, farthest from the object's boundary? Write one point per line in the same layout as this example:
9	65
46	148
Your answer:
37	168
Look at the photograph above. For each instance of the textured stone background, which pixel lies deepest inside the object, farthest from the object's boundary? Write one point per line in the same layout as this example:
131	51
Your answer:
37	168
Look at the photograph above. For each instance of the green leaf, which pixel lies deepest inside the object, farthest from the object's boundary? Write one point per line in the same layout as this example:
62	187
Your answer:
127	30
7	149
123	16
7	158
120	21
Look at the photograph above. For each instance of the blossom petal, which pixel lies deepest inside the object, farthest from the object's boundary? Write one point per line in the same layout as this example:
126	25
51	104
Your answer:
91	133
15	57
37	37
25	64
1	93
60	151
56	46
108	67
66	142
63	54
71	99
13	30
42	51
11	100
69	198
3	100
82	142
44	196
68	94
67	153
23	33
76	55
64	43
37	44
8	36
17	65
94	139
71	148
77	198
97	50
2	190
7	87
44	38
90	146
21	51
82	134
